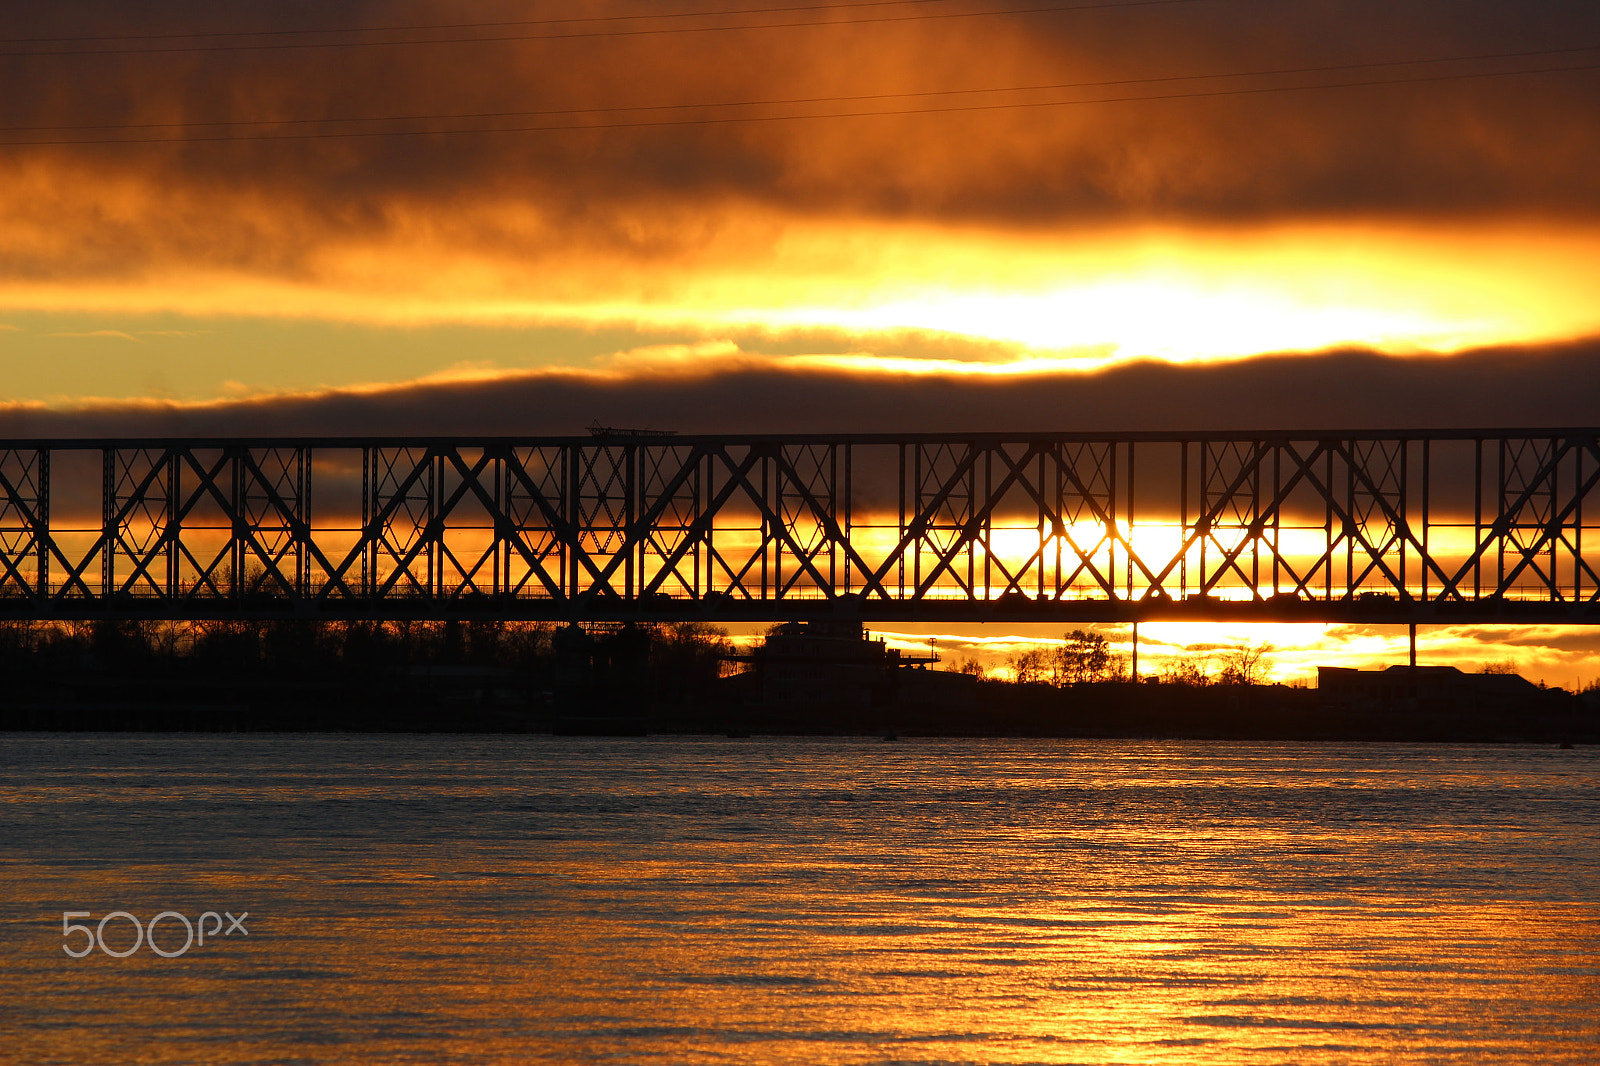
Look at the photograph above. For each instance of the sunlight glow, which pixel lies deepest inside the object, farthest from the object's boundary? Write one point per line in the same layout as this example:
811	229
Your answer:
1086	301
1100	324
1021	303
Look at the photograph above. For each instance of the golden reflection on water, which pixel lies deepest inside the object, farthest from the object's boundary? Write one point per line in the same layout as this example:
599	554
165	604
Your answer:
515	899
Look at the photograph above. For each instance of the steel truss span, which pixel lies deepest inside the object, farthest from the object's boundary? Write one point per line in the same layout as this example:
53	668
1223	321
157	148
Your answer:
1402	526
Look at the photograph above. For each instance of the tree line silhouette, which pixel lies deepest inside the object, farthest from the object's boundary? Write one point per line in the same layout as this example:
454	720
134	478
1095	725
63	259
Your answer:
1084	657
358	674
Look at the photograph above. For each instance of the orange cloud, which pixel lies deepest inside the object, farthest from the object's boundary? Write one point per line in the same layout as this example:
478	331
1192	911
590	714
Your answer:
1425	217
1082	302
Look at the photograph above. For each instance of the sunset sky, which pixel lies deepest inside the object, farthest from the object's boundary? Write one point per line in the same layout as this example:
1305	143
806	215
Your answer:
723	215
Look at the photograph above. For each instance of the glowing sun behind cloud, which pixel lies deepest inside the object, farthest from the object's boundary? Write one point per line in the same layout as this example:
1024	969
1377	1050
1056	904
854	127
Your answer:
1056	298
1184	296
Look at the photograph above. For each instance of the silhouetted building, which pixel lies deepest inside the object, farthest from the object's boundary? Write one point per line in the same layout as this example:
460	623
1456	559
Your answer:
1443	703
1425	689
833	667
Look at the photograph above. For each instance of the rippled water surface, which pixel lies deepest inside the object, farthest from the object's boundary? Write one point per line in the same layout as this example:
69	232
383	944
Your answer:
443	899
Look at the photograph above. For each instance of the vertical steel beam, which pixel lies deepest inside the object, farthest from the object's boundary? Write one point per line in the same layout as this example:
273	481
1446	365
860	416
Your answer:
1577	522
1044	505
1111	519
108	522
572	513
1329	490
1477	519
1503	526
41	530
902	532
1183	519
172	535
236	524
1277	517
986	530
368	551
1427	489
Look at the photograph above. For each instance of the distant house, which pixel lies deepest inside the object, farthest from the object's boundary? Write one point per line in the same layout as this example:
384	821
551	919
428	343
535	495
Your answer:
1426	689
837	666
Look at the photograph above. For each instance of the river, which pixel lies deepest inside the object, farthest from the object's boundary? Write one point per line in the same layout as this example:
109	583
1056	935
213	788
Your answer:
528	899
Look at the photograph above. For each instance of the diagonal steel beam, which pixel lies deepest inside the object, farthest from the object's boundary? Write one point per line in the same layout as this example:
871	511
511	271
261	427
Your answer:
1498	530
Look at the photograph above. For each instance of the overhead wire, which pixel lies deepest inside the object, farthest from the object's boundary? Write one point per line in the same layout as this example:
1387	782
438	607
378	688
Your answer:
799	101
843	5
733	119
875	20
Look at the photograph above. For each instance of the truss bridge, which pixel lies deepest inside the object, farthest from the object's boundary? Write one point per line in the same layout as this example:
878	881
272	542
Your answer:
1396	526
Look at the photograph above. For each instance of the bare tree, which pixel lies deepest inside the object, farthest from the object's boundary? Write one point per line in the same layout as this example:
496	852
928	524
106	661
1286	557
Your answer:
1030	666
1193	669
1244	663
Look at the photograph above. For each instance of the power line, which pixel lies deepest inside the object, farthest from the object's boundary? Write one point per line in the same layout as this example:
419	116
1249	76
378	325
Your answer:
847	5
301	45
811	100
728	120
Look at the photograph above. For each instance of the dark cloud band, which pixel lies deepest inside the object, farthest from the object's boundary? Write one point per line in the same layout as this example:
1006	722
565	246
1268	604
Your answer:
1491	388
